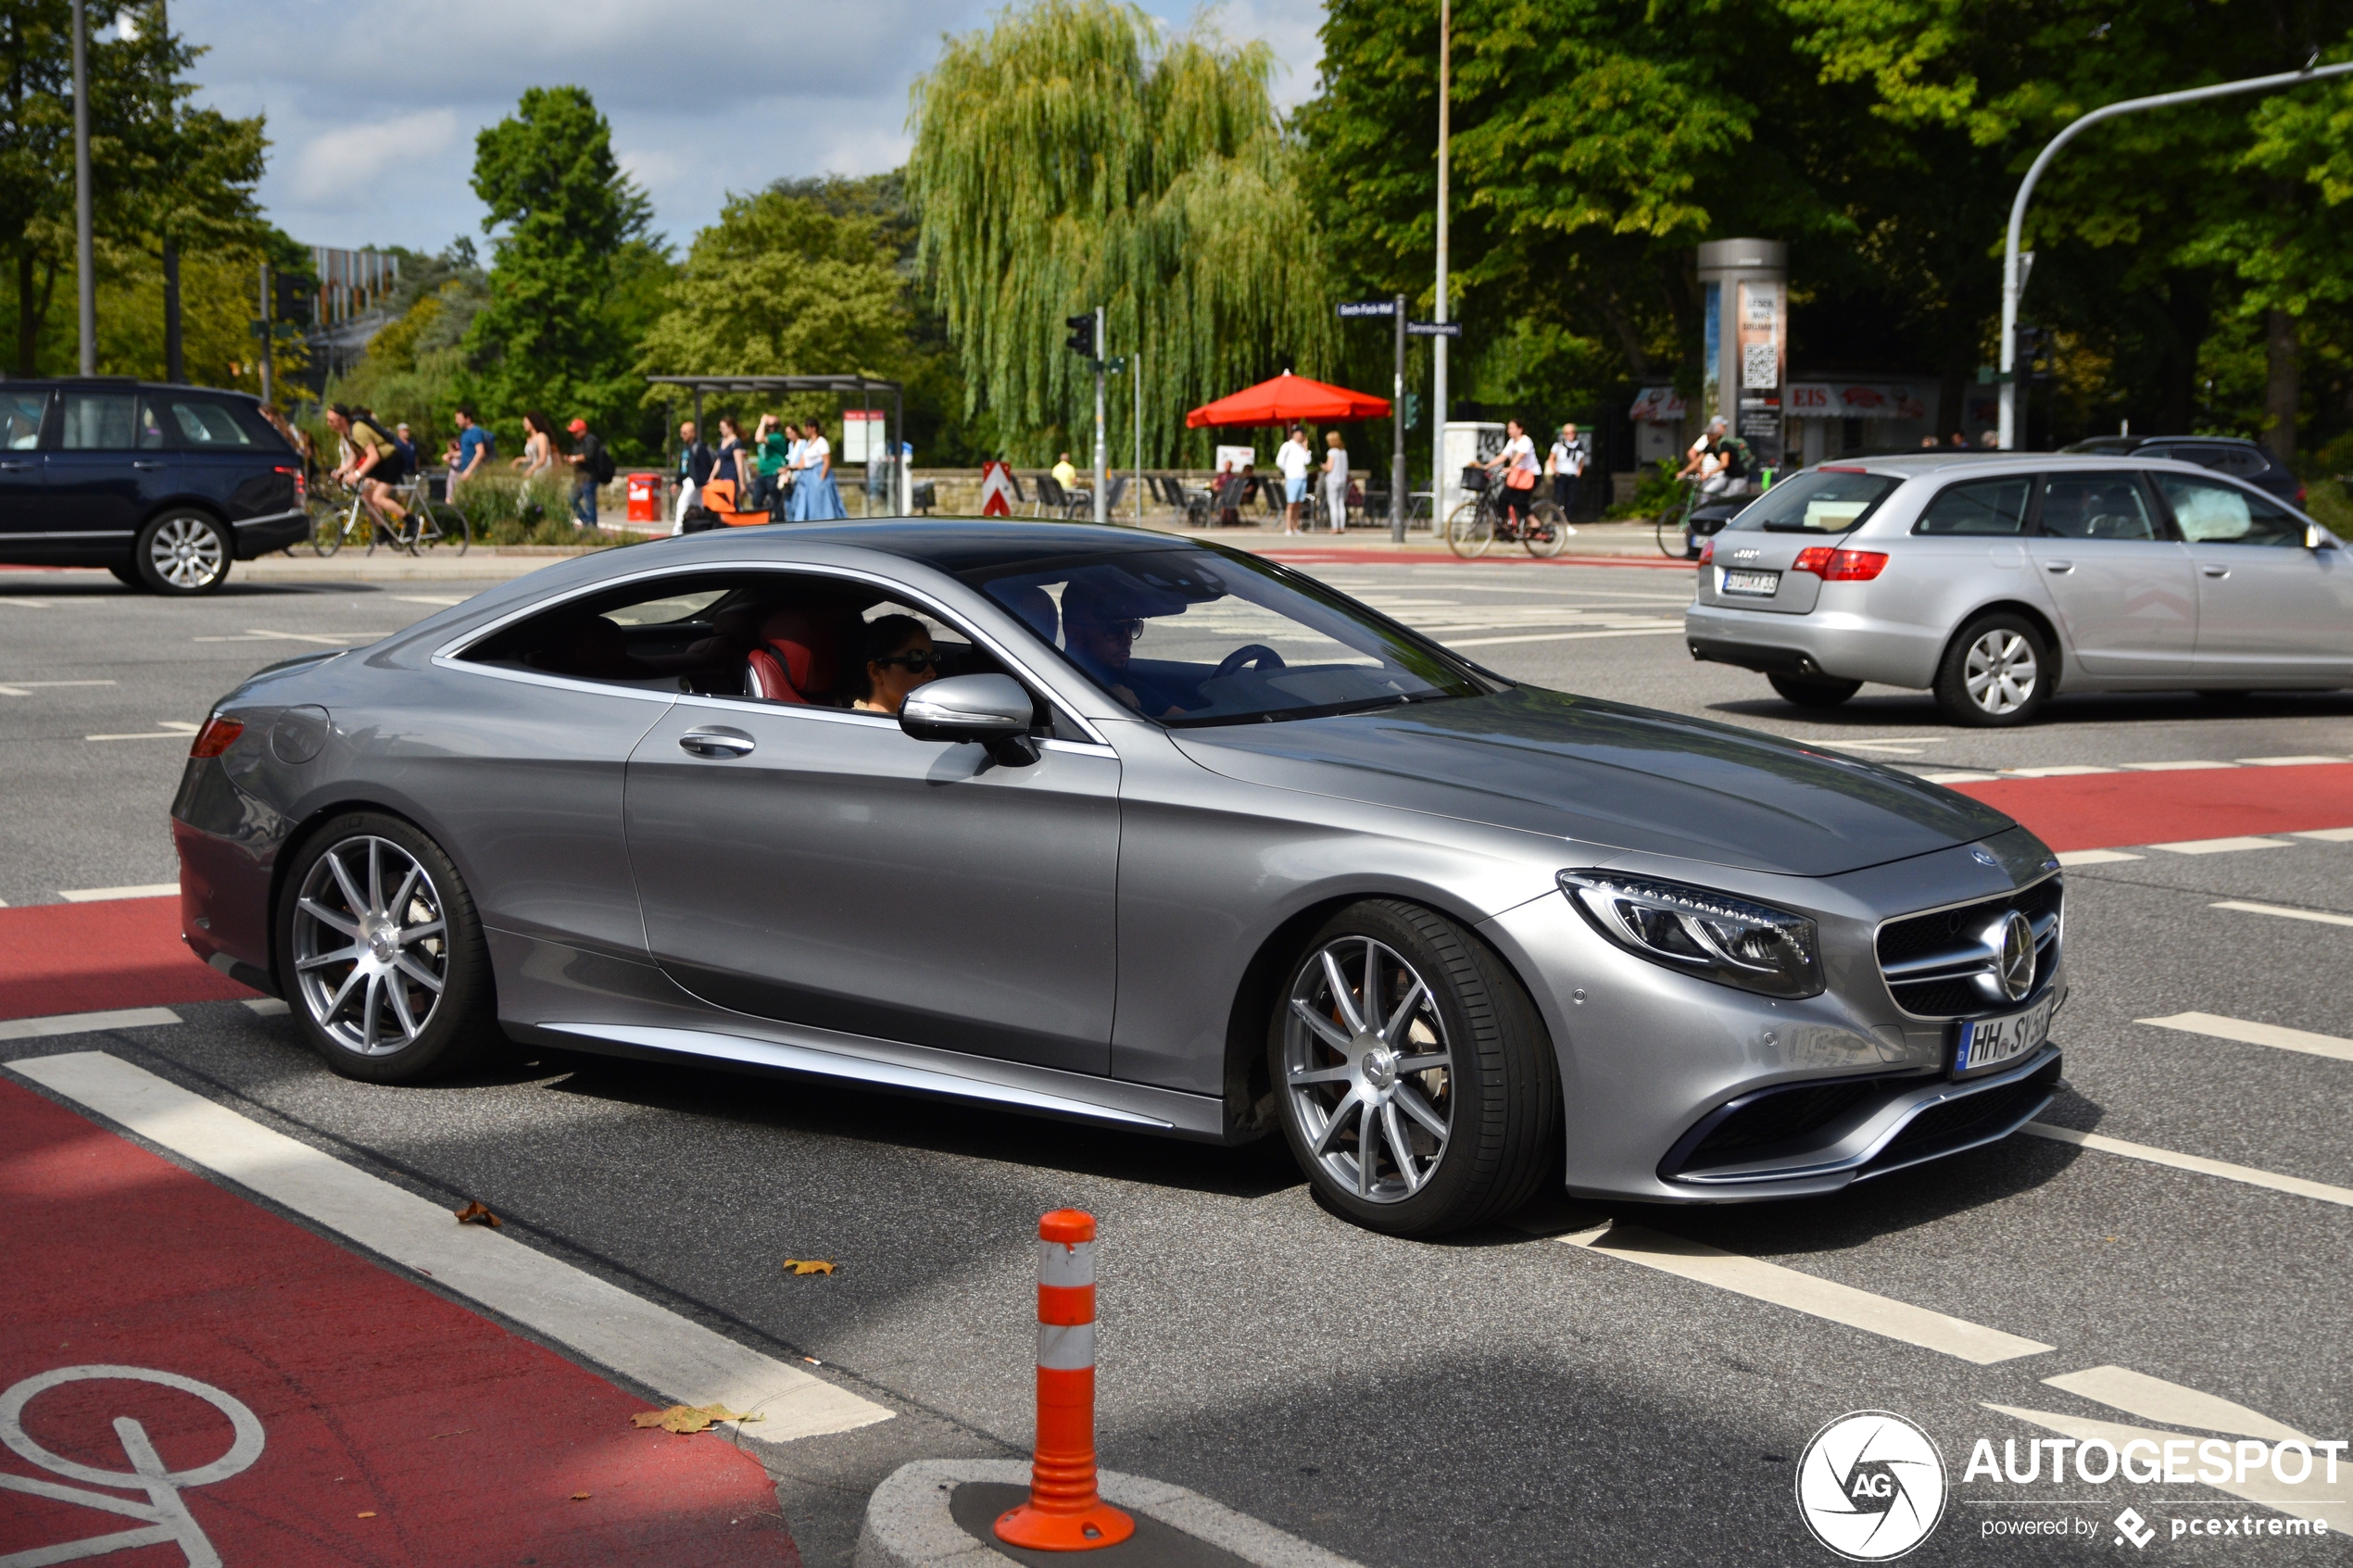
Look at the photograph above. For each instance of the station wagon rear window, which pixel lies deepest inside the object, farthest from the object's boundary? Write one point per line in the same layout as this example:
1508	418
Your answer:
1819	501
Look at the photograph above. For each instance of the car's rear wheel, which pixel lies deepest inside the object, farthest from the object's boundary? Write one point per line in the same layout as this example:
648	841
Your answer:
1996	672
1814	691
1418	1087
382	955
182	552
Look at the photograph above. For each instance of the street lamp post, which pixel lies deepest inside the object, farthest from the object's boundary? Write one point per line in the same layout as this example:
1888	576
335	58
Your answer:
1437	345
2013	284
84	266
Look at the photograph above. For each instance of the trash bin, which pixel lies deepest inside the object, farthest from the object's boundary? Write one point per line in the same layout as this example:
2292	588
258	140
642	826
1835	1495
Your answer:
644	497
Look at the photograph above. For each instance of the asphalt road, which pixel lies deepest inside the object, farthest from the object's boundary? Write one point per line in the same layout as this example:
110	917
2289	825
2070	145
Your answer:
1506	1398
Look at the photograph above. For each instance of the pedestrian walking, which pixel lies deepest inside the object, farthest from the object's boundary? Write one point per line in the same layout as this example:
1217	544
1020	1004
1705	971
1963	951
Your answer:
592	466
770	451
474	449
1292	459
539	446
1566	464
727	461
694	468
1335	482
816	498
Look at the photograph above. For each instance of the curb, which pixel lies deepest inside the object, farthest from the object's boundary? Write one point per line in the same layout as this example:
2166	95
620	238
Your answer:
907	1525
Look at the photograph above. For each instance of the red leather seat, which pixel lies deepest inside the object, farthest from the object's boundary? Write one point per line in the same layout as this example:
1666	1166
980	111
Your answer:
799	655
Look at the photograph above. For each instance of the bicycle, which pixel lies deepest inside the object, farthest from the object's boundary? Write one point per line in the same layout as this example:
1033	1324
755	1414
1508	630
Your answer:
1677	521
1478	522
339	516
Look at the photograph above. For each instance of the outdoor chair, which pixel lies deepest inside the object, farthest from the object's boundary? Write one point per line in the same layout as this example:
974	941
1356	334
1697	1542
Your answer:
1112	493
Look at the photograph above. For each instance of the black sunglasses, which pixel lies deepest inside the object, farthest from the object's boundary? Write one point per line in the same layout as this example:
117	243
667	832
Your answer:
916	661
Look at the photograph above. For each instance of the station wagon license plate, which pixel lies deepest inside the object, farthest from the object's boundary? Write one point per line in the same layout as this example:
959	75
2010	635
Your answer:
1988	1042
1763	585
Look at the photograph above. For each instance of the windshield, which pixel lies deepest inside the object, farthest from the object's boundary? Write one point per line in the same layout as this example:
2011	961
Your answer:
1819	501
1191	638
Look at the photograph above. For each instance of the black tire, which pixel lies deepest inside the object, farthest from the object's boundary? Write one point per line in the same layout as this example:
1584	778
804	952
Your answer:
128	575
1498	1090
1815	691
459	1025
182	552
2013	667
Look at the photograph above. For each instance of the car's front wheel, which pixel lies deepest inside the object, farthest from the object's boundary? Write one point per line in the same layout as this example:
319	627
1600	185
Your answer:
1997	672
382	955
1418	1086
1818	692
182	552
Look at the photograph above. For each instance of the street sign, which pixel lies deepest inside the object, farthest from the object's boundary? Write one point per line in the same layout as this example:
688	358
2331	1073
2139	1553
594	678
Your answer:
1433	328
1368	307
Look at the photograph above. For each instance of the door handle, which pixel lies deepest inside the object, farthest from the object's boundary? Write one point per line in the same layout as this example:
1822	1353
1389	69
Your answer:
2059	566
144	464
2216	570
14	468
716	743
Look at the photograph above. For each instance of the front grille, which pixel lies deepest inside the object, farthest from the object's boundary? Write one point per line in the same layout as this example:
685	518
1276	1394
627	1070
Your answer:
1970	1119
1780	1117
1950	989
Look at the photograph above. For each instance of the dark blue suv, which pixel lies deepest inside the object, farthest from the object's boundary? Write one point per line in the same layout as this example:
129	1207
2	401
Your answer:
162	486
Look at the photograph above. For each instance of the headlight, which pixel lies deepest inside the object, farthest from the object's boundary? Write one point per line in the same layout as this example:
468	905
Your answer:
1711	935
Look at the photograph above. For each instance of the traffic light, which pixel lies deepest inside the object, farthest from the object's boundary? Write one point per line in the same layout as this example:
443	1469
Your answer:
290	298
1413	409
1081	340
2033	344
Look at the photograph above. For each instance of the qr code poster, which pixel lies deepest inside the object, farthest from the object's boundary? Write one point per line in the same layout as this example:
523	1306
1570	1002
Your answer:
1760	366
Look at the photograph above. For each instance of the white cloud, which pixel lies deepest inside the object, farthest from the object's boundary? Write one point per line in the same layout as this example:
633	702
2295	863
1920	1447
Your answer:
341	169
704	98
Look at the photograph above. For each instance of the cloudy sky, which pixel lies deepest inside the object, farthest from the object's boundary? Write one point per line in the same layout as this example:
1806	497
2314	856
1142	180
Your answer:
372	109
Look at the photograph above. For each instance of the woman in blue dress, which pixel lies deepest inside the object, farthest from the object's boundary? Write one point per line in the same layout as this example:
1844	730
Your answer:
815	497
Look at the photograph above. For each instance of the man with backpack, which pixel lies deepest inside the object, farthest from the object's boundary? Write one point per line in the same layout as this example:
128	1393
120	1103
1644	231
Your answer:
376	461
594	466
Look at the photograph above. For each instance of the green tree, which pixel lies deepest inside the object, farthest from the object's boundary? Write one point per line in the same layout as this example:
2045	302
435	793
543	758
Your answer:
1071	157
571	264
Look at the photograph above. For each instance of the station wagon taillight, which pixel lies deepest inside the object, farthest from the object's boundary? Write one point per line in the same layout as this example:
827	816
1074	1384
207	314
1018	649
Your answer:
1840	566
1707	549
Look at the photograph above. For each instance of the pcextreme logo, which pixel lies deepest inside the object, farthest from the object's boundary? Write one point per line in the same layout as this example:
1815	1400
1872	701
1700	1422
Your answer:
1870	1486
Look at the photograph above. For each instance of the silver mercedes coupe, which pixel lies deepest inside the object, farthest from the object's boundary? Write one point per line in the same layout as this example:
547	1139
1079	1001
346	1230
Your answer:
1111	825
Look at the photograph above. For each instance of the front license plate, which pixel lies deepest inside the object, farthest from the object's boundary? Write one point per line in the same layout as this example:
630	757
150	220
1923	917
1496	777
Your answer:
1989	1042
1763	585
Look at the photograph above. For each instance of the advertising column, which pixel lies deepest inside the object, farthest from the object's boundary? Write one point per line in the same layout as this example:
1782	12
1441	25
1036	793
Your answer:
1745	285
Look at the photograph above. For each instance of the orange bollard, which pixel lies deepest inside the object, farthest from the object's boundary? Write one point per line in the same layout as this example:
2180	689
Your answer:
1064	1513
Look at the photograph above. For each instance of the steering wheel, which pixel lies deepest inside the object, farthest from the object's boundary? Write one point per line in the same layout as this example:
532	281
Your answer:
1259	654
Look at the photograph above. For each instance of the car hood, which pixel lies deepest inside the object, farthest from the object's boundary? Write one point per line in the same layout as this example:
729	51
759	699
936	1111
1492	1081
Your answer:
1609	776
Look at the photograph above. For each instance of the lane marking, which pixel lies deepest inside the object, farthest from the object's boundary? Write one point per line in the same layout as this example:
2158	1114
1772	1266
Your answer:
100	894
332	639
26	688
2285	761
2095	857
174	729
431	599
2314	1497
2250	1033
1804	1293
2195	1162
2063	770
1961	778
267	1006
29	604
1570	637
2220	845
2326	835
2172	767
2153	1399
2317	917
85	1023
679	1359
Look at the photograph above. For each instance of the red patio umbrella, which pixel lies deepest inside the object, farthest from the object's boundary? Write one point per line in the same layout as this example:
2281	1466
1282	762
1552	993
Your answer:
1288	399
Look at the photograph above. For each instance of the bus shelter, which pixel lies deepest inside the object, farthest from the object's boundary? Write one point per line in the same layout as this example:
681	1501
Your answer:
866	389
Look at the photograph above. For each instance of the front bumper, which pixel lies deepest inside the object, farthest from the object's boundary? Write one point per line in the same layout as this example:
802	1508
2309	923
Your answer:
1838	645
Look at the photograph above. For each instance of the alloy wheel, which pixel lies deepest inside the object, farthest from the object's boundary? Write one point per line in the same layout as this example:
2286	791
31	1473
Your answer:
187	552
1368	1070
2000	671
371	945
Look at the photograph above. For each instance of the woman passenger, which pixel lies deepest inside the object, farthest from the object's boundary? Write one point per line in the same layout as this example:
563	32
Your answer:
898	658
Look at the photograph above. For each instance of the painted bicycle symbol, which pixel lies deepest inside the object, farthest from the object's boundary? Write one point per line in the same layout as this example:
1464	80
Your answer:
164	1517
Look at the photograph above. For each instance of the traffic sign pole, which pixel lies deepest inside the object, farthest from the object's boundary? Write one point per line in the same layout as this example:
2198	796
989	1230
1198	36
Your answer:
1103	452
1397	423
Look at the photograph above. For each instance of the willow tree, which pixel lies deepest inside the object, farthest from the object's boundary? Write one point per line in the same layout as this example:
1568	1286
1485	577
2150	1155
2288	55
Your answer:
1071	155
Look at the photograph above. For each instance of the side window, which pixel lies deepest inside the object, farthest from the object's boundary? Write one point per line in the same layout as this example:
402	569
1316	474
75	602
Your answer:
20	414
1981	506
2102	505
2210	512
109	422
204	423
664	634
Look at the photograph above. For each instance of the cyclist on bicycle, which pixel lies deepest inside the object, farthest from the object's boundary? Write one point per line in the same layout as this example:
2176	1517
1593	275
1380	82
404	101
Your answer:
375	466
1721	461
1517	461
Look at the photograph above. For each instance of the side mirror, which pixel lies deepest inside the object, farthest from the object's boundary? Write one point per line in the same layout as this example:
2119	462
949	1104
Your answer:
996	711
2317	538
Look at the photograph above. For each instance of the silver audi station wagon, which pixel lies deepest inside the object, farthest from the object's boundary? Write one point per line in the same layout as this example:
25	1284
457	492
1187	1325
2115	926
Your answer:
1160	836
1995	580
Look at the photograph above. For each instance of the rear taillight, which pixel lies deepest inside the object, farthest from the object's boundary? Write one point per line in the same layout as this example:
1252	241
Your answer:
2299	494
217	736
1707	549
302	484
1840	566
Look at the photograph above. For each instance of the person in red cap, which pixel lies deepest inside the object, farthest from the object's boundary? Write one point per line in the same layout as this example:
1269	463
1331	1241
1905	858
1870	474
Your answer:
592	466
